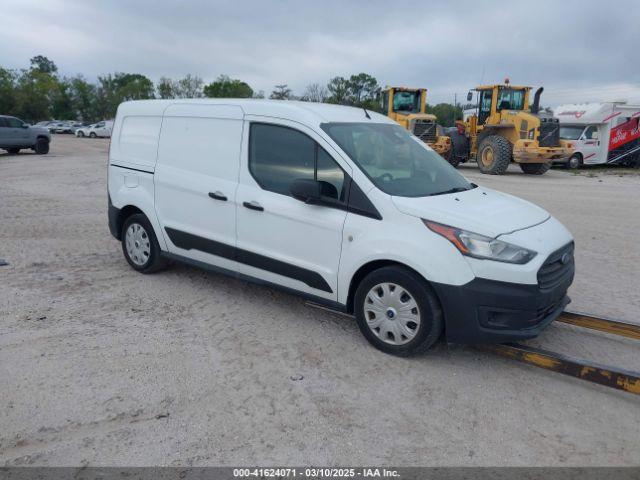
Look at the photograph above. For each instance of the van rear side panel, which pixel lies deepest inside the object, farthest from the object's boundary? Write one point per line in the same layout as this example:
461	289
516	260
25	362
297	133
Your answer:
132	158
137	143
196	178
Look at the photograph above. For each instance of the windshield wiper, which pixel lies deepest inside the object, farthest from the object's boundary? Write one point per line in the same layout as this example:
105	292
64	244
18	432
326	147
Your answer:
451	190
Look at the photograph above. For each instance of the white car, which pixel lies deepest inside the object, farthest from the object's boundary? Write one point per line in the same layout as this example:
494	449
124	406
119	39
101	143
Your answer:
100	129
341	206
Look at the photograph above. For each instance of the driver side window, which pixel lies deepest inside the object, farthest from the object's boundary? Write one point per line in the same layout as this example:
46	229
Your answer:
280	155
588	133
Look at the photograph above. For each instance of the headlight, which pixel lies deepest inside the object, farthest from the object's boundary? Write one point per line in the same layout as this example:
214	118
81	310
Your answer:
478	246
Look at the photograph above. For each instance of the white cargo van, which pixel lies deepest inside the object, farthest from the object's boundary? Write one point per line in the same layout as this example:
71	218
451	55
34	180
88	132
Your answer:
339	205
601	132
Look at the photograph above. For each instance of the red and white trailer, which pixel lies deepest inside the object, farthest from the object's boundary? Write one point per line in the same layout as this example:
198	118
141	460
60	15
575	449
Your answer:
601	132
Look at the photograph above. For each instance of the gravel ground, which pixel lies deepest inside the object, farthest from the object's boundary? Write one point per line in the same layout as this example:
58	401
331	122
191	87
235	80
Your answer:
100	365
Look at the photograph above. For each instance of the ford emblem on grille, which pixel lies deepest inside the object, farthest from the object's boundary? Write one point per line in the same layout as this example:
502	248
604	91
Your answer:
565	258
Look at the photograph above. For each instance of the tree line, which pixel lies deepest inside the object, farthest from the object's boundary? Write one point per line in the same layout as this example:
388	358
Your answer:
41	93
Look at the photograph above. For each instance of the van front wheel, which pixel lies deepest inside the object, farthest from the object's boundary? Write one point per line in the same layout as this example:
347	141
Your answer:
140	245
397	312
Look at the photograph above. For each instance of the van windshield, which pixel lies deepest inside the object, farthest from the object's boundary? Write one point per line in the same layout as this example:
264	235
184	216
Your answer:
395	161
571	133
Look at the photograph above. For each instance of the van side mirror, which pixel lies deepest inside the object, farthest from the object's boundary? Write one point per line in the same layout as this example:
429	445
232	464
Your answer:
25	125
306	190
469	96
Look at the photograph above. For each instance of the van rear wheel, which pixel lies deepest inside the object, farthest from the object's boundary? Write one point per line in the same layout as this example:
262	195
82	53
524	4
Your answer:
397	312
140	245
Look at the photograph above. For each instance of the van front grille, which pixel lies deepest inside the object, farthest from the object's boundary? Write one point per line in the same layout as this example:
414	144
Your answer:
425	130
557	269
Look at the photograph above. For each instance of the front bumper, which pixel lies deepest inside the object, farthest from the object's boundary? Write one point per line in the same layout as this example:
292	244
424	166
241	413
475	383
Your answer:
529	151
488	311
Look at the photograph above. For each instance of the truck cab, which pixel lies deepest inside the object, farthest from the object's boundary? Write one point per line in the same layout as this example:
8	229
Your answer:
408	107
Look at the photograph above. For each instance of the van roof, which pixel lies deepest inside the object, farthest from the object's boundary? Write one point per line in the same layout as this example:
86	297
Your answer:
588	113
304	112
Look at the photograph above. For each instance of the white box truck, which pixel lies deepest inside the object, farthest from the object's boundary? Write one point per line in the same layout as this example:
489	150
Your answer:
601	132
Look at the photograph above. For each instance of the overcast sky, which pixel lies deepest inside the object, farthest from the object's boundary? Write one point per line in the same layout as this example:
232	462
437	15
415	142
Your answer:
578	50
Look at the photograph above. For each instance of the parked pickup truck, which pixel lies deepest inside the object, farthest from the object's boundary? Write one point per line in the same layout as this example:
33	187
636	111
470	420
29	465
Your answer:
16	135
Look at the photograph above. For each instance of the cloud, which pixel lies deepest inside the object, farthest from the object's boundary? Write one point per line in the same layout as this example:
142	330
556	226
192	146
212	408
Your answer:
578	50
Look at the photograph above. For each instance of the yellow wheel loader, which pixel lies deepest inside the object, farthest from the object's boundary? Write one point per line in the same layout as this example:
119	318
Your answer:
505	128
407	106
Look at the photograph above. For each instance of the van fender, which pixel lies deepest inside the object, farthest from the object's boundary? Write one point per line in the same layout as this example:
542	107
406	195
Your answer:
136	189
435	260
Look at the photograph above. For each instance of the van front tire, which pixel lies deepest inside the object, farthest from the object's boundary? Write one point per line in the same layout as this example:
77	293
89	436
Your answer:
397	311
140	245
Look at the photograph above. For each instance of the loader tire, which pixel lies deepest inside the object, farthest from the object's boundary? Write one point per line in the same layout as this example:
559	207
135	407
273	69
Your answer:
535	168
494	155
451	158
459	152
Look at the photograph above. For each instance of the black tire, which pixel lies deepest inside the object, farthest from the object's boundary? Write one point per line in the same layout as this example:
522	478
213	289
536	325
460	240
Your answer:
13	151
575	162
155	261
430	328
42	146
535	168
93	135
450	157
494	155
80	134
459	148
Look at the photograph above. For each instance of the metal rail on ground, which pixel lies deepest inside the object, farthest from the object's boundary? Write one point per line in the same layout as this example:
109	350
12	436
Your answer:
612	377
609	376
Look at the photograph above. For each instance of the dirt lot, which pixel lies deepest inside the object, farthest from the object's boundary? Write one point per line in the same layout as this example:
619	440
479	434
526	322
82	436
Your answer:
100	365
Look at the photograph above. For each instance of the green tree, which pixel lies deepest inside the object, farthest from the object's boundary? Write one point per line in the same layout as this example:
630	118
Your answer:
338	88
121	87
226	87
447	113
165	88
281	92
361	90
43	65
83	99
35	95
8	101
62	105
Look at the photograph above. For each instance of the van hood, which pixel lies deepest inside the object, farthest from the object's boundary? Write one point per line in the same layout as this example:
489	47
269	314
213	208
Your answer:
480	210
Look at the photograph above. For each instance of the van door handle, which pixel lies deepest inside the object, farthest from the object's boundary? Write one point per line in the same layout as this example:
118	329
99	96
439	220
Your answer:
218	196
253	206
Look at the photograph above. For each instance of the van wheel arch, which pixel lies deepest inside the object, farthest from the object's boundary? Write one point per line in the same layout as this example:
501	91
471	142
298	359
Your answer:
367	268
126	212
575	165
